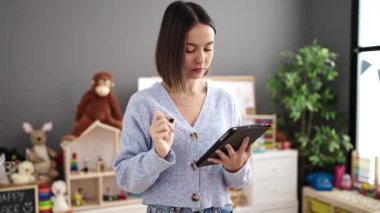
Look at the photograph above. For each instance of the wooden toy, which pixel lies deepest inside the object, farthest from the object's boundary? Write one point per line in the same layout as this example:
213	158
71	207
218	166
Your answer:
122	195
74	162
98	141
44	197
86	163
100	165
108	196
78	198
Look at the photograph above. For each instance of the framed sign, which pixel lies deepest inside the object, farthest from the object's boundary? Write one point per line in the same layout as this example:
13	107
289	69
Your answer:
19	199
241	87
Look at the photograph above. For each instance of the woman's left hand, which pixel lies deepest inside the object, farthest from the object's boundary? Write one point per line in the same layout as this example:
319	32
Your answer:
233	160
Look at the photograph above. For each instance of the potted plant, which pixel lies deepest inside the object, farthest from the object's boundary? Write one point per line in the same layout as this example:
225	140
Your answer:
302	92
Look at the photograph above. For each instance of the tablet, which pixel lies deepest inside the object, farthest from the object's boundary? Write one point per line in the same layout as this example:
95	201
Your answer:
233	136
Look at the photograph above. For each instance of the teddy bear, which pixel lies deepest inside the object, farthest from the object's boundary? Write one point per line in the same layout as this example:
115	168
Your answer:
98	103
60	205
40	154
24	174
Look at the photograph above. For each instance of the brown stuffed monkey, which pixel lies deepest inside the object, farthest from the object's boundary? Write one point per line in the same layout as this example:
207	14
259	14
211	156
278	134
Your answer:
98	103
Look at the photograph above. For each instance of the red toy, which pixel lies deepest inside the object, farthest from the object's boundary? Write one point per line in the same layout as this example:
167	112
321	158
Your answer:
98	103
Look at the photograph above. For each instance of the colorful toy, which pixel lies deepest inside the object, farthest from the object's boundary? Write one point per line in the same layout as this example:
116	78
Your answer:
108	196
78	198
346	182
98	103
25	173
74	162
44	198
58	188
122	195
41	155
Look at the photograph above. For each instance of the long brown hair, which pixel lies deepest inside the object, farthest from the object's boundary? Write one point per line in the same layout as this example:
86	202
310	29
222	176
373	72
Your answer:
178	19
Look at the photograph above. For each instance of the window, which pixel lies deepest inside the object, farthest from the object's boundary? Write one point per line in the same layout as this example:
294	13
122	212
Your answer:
365	80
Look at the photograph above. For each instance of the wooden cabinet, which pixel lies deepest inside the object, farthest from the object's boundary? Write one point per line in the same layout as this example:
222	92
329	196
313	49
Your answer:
274	183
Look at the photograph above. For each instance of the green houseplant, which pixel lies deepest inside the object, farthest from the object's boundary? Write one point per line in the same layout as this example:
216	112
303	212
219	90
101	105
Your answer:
302	91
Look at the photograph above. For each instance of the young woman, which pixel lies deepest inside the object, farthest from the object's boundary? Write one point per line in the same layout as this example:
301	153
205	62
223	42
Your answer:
171	124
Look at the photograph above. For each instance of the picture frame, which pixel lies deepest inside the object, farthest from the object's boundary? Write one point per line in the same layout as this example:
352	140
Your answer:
23	198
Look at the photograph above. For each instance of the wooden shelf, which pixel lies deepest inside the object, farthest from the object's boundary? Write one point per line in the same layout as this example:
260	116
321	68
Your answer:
90	174
88	204
123	202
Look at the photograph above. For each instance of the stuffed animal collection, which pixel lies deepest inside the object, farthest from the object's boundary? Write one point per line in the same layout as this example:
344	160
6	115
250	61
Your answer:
99	103
40	154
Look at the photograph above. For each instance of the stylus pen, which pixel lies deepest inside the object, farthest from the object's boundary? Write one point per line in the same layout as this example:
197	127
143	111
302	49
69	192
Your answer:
170	119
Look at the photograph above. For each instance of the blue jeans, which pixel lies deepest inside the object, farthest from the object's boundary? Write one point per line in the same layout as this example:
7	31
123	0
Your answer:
170	209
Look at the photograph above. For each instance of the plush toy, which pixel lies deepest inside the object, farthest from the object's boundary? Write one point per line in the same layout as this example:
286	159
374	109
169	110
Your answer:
60	205
41	155
98	103
3	174
24	174
13	159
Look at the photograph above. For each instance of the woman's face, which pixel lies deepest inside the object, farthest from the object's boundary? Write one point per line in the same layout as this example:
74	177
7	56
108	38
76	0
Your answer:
199	50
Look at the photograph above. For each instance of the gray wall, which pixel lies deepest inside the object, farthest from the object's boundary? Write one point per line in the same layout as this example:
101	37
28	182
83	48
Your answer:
49	50
330	23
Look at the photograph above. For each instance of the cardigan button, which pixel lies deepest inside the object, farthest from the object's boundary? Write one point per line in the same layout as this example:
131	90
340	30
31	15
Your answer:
195	197
194	136
194	165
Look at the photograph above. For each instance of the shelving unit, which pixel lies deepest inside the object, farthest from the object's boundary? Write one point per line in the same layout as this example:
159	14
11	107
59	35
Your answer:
274	184
98	141
338	201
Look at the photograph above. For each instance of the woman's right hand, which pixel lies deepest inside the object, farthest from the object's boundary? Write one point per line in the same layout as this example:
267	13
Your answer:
161	130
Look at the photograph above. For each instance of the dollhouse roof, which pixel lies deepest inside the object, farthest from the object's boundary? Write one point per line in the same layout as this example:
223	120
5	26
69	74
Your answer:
96	126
